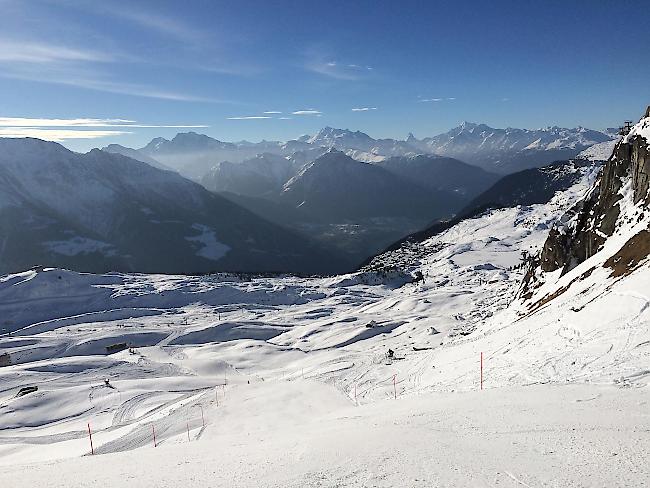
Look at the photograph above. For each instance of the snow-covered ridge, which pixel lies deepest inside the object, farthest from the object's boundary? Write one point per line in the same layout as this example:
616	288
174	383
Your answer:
194	154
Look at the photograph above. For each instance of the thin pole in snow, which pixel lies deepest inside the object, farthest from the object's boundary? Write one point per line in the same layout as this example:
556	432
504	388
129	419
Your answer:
202	417
153	430
188	432
90	436
481	371
395	385
355	394
216	395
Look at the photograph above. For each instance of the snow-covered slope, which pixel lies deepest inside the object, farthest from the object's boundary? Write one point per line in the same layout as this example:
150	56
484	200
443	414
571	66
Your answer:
598	152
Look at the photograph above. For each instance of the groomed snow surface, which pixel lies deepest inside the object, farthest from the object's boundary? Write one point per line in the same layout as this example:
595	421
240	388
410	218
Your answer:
285	381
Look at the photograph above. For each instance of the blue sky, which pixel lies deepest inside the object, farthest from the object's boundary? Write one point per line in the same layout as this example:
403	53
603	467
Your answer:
278	69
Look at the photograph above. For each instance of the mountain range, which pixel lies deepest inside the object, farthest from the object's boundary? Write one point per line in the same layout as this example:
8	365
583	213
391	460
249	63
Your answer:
508	150
495	150
103	211
316	204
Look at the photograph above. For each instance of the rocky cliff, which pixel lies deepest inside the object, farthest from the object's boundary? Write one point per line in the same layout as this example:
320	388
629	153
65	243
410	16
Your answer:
615	210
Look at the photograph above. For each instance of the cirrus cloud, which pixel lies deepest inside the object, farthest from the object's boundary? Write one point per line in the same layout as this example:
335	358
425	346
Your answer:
57	135
250	117
309	111
85	122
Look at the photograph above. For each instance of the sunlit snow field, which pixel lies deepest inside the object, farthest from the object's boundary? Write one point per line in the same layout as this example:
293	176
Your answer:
287	380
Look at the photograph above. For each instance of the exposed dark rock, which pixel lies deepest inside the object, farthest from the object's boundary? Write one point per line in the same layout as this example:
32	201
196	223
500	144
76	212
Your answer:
584	229
630	255
566	248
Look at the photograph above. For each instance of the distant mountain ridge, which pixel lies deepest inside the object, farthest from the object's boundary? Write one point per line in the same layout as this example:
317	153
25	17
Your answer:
496	150
507	150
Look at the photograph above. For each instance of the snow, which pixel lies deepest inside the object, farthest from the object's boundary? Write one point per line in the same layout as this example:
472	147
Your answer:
296	390
306	435
598	152
211	247
80	245
641	129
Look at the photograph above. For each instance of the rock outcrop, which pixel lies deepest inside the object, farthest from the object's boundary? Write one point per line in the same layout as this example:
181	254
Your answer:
595	220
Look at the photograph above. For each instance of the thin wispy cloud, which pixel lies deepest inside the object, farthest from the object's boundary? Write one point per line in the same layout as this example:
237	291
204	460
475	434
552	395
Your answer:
250	117
429	100
65	65
163	24
34	52
58	135
87	80
363	109
310	111
272	112
356	66
153	20
59	130
85	122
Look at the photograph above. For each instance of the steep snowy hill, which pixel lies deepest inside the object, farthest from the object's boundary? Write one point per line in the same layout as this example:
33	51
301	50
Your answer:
101	211
509	150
